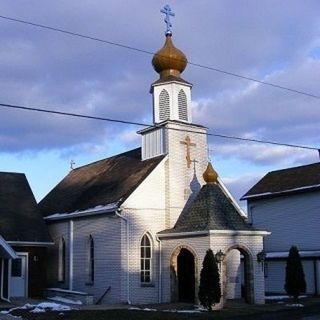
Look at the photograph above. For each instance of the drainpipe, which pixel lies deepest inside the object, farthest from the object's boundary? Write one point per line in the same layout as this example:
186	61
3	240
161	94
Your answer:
128	260
71	255
160	270
2	277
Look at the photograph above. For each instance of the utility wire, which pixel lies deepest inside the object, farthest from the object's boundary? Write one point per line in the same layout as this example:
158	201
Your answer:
84	116
153	53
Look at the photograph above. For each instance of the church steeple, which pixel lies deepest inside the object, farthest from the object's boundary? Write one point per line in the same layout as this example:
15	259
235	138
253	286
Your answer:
171	94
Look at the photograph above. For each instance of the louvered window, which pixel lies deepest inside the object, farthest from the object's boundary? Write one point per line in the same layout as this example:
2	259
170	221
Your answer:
164	105
182	106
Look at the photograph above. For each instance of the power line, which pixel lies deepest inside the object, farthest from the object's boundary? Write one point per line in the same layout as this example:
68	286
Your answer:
84	116
71	33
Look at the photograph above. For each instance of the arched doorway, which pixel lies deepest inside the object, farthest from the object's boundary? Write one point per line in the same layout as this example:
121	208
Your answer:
183	274
186	277
238	274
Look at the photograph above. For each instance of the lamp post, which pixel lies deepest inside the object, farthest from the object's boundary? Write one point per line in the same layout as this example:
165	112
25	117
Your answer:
261	258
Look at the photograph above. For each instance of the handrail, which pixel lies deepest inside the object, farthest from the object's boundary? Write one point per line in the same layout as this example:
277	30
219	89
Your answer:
101	298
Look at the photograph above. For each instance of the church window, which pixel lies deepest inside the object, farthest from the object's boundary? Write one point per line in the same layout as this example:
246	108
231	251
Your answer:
146	259
90	259
62	260
164	105
182	106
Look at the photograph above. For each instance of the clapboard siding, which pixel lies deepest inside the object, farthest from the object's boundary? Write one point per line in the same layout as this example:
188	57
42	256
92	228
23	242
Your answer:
105	231
293	220
276	274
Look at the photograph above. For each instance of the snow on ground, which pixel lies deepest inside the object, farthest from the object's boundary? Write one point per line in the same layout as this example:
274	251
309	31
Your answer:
40	307
169	310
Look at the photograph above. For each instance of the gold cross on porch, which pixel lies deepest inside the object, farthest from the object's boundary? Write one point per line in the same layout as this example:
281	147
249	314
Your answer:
188	143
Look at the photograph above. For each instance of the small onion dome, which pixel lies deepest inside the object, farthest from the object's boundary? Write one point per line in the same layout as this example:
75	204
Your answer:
169	60
210	176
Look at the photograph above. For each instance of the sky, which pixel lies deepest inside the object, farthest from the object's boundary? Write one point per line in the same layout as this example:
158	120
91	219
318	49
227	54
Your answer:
273	41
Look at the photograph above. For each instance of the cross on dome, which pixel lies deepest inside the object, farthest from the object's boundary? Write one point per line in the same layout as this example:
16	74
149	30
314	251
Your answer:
168	12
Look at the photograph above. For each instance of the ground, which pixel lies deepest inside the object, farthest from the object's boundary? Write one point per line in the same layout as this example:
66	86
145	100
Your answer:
310	311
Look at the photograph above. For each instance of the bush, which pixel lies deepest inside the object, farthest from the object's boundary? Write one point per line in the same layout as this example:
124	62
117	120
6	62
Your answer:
295	280
209	289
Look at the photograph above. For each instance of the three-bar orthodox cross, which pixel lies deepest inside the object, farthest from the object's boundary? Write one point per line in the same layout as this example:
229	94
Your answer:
168	12
188	144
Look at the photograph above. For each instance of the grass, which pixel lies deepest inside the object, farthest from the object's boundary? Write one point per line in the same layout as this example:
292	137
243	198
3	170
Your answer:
268	311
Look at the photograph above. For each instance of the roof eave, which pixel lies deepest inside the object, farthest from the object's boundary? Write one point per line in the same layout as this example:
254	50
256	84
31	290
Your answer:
213	232
279	193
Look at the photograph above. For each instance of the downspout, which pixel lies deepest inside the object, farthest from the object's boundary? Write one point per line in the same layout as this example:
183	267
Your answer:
160	270
2	277
117	212
71	255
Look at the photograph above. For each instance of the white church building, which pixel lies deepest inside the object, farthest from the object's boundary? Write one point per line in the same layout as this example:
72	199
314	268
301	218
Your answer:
135	227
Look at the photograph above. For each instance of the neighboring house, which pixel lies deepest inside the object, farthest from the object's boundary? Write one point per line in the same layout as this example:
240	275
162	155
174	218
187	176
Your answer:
24	239
287	203
135	227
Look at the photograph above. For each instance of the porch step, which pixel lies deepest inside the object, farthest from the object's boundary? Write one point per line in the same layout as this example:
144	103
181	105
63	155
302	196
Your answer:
75	296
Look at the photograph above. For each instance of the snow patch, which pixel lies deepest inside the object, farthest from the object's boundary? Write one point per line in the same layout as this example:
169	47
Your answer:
295	305
40	307
283	297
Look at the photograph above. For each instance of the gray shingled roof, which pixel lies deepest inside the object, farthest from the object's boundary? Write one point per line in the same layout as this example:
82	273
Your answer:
297	179
210	210
20	218
103	182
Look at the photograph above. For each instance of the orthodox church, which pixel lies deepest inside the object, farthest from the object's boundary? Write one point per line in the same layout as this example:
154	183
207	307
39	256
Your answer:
135	227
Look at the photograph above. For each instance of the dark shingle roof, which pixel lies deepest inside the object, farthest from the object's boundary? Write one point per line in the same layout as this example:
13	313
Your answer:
100	183
210	210
297	179
20	218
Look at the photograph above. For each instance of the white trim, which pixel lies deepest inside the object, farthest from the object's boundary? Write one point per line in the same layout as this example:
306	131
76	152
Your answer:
241	232
84	213
279	192
2	279
6	246
231	198
128	257
30	243
214	232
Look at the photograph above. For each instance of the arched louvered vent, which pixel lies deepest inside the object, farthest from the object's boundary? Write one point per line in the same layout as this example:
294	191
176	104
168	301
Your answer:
182	106
164	105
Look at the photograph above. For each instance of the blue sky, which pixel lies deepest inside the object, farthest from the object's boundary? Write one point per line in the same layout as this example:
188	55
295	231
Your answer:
274	41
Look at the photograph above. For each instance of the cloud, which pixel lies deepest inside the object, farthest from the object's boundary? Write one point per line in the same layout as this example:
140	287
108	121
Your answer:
46	69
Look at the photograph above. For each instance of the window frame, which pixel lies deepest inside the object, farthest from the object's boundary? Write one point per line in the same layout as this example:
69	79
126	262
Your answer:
90	260
146	260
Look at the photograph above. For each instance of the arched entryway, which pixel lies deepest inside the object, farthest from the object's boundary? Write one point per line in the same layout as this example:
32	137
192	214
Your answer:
183	267
238	274
186	276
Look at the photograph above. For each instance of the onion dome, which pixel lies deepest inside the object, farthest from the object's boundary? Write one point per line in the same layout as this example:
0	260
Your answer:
169	61
210	176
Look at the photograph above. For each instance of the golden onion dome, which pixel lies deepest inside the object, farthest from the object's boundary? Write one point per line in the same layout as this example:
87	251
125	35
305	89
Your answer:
169	60
210	175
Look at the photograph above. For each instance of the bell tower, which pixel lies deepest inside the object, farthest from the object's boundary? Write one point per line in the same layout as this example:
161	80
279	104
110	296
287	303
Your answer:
171	94
173	133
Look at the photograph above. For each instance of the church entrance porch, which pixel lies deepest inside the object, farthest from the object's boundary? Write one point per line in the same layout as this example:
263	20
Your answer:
183	269
237	275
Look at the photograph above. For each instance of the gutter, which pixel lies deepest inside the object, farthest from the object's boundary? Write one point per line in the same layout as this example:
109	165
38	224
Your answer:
212	232
160	270
117	212
71	255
